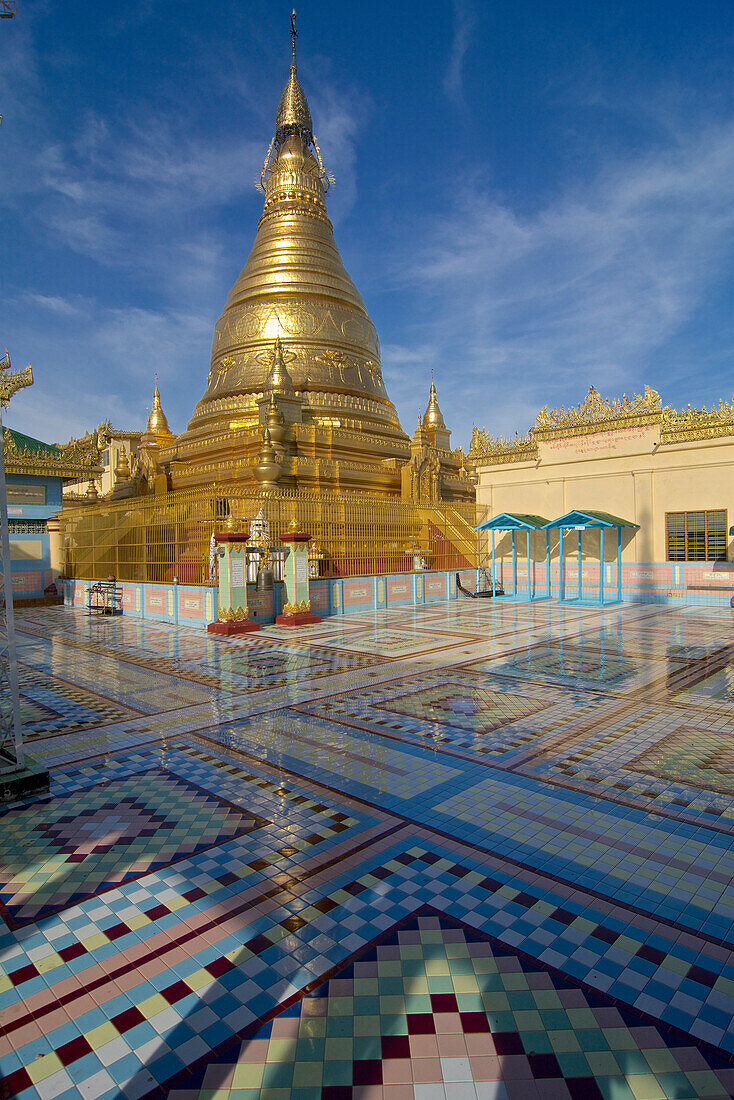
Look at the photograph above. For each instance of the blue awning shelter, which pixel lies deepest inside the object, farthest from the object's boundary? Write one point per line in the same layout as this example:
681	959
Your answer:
583	521
514	522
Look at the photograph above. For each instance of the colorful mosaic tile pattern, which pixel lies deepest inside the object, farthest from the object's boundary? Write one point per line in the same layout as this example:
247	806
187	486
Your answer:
451	852
61	849
49	706
464	709
576	666
437	1010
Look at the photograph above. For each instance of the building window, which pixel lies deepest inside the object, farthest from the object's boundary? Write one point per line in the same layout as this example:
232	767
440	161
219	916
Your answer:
106	458
26	494
696	536
27	527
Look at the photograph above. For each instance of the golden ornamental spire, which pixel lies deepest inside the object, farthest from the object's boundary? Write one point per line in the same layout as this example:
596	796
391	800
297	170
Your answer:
278	378
157	429
433	416
293	117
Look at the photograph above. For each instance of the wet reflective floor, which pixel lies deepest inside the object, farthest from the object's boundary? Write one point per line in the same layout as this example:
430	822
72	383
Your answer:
465	851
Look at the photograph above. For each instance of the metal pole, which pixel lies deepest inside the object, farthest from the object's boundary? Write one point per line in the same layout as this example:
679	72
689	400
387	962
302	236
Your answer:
11	737
547	562
560	568
601	569
580	534
619	564
514	566
527	537
494	584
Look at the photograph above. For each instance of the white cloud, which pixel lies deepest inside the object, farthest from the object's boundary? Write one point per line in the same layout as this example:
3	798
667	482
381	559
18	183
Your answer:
62	307
464	24
92	363
527	309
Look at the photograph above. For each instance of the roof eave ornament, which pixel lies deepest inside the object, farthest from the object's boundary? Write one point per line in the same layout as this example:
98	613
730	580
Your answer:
11	381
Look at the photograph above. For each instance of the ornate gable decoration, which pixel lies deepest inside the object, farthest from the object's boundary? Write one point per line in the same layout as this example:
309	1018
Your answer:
11	381
598	414
595	413
680	427
486	447
73	463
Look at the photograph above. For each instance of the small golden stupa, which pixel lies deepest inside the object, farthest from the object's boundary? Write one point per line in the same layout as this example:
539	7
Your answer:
157	430
295	362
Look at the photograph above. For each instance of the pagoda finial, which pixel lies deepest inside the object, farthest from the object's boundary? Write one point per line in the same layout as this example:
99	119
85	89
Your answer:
157	429
294	36
433	416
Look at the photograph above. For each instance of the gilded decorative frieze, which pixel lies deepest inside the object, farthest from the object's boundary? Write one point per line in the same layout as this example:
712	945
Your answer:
680	427
486	447
596	413
52	461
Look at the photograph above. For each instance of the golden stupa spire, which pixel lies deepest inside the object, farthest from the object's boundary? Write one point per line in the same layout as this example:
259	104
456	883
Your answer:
293	112
157	430
294	117
278	378
433	416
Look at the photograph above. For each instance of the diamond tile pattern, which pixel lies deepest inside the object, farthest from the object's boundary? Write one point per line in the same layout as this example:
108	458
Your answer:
460	851
434	1005
63	848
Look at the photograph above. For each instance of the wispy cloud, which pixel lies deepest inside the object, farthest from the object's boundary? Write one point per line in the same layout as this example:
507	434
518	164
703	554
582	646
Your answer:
537	307
464	24
91	362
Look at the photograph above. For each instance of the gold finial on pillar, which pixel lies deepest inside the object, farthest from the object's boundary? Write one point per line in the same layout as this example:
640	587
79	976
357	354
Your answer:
268	466
122	469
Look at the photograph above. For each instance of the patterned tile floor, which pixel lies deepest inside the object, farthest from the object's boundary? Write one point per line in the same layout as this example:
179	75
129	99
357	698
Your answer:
459	852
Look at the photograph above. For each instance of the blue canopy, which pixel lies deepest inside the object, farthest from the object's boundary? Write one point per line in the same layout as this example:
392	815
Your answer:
513	521
578	519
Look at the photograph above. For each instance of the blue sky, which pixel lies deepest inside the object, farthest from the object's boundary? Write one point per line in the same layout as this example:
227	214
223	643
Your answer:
531	197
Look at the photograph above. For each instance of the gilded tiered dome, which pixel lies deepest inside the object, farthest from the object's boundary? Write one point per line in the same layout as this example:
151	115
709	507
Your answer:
295	289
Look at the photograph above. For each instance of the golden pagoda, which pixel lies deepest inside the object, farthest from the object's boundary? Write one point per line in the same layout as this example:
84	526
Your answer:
295	351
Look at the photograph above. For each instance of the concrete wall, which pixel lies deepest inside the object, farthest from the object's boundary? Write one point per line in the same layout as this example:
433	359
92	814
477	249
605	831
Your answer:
627	472
30	562
676	584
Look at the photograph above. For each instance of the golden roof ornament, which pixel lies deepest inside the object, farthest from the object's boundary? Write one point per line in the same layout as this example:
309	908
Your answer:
433	417
293	107
156	429
278	378
12	381
267	470
276	422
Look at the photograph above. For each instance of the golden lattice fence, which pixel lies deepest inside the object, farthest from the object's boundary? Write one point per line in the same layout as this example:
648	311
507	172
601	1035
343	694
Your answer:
155	538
